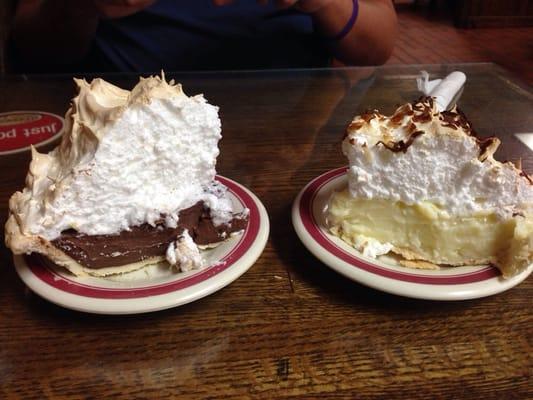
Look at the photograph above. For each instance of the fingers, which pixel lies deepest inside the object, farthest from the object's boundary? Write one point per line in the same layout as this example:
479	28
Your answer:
125	3
279	3
222	2
120	8
285	3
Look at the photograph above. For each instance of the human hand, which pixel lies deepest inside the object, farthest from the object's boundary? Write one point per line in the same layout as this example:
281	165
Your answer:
306	6
119	8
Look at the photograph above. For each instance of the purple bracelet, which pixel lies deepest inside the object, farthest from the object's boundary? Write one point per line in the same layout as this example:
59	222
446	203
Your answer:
349	25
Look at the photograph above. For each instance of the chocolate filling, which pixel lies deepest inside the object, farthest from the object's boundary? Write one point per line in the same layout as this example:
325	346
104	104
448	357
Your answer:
144	241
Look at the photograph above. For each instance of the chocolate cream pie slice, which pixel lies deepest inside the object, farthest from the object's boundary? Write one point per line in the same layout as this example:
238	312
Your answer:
423	186
132	183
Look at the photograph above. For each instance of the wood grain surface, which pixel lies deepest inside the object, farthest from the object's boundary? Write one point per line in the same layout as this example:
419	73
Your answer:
290	327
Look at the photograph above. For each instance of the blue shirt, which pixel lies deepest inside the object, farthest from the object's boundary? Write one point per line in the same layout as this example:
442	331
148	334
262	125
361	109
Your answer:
197	35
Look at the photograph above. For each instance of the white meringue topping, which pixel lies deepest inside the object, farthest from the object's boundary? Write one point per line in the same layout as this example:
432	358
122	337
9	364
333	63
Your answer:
126	158
420	154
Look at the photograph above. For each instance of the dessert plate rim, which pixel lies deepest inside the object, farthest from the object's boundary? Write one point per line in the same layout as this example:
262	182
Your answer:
62	288
458	283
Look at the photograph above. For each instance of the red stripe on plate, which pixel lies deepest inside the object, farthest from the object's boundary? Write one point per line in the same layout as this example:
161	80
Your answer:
313	229
62	282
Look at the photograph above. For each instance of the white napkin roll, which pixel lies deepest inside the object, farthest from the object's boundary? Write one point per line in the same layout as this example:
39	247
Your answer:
443	90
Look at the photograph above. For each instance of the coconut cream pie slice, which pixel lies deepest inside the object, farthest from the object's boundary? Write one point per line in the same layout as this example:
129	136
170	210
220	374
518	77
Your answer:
132	183
423	186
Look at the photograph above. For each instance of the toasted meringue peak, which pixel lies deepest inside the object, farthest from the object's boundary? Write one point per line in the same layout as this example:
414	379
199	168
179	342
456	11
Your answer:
126	158
421	154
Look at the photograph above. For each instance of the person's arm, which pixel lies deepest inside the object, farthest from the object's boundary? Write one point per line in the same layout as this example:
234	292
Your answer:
371	39
46	33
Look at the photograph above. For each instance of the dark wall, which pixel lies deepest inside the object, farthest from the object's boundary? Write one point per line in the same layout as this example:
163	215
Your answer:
6	13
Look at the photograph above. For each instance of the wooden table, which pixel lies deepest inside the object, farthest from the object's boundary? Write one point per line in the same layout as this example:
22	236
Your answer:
290	327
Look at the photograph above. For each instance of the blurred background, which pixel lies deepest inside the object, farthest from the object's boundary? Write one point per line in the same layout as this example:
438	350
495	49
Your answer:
431	32
448	31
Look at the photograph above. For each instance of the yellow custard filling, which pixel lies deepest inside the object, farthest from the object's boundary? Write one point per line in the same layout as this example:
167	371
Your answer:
427	233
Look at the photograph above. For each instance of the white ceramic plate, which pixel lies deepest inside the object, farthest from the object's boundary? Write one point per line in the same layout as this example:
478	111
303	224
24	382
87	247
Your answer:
384	273
155	287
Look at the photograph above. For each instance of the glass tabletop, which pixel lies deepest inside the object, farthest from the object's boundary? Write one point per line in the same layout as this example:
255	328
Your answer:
495	102
298	117
288	327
